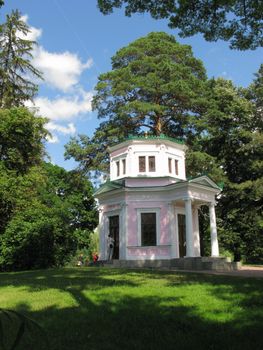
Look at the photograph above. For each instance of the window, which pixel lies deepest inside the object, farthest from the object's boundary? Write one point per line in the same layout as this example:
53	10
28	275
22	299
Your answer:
118	168
176	166
148	229
124	166
172	169
151	162
142	164
170	165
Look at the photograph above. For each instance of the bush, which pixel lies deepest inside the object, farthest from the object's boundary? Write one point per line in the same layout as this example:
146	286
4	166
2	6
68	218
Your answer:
35	239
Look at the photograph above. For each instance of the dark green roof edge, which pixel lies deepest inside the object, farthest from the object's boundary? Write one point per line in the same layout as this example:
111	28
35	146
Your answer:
152	137
197	176
118	184
111	185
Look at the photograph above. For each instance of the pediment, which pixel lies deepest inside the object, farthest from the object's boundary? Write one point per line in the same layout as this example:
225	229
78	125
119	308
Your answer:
108	186
204	180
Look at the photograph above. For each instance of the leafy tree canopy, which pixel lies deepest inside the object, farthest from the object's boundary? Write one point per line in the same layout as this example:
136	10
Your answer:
21	139
237	21
232	138
50	213
15	66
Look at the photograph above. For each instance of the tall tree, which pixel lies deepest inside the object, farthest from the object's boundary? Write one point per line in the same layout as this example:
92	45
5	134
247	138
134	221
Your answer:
155	84
232	136
237	21
255	94
15	68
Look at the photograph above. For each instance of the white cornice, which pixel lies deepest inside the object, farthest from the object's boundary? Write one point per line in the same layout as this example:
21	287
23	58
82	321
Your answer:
145	141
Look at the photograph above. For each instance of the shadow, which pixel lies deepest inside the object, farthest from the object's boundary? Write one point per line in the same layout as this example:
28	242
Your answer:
132	309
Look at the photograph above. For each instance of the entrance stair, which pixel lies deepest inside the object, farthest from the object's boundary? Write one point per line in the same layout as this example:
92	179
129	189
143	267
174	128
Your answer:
195	264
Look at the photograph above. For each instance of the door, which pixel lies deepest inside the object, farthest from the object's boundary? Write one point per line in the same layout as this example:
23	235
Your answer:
114	233
181	235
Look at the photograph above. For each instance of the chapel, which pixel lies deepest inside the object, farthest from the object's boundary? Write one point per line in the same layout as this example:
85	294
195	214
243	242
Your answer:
150	208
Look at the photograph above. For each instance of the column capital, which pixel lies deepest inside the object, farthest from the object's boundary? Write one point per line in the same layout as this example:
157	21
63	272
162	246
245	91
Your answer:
187	199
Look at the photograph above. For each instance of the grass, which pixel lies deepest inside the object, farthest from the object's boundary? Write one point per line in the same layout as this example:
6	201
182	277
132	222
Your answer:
99	308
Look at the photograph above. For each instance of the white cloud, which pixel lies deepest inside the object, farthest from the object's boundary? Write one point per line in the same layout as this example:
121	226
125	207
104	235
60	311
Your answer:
34	33
60	70
70	129
56	129
53	139
64	108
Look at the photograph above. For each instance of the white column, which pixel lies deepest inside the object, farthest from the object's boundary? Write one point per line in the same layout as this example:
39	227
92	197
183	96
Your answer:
122	231
213	231
196	232
189	228
102	255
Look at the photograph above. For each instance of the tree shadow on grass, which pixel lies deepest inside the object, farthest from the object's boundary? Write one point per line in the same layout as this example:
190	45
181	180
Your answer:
120	319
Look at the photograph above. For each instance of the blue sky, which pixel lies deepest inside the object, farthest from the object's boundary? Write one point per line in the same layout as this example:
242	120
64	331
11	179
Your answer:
76	43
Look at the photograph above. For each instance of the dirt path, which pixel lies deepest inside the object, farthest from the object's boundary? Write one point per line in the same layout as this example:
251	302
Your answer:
245	271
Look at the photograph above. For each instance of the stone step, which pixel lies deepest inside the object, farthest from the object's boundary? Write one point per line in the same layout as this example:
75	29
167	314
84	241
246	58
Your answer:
195	264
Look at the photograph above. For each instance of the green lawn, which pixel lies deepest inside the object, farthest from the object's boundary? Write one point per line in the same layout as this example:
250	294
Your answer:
99	308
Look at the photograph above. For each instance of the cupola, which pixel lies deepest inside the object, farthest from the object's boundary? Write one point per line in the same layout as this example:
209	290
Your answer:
148	156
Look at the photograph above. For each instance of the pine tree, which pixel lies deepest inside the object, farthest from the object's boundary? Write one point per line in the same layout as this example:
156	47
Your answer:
156	84
16	71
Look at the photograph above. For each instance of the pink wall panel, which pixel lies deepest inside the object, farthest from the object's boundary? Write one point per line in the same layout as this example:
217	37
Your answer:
132	229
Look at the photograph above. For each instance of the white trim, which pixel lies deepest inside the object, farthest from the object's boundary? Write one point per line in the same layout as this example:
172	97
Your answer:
146	141
114	161
157	211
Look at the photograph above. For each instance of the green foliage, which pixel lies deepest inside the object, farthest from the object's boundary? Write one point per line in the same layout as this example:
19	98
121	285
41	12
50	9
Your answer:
15	66
74	193
240	22
232	135
53	211
45	211
200	163
21	139
155	83
36	238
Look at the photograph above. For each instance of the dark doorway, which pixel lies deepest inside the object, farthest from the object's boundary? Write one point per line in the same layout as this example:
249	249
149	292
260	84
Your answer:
182	235
114	233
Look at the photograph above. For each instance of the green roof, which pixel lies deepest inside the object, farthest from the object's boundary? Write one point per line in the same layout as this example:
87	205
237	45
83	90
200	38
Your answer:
118	184
108	186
